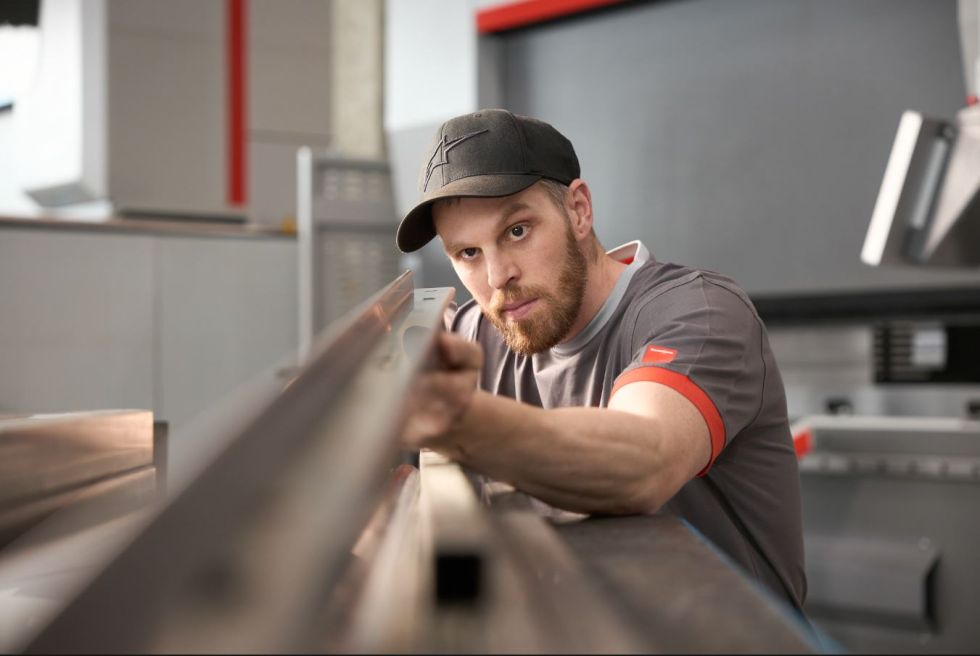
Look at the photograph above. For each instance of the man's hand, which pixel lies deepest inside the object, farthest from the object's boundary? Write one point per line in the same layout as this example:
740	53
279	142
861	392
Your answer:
442	396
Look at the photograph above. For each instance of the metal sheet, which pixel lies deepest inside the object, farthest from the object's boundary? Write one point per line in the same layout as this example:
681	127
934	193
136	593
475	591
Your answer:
47	564
43	454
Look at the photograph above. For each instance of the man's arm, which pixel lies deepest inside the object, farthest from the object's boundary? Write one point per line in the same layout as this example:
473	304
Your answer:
629	458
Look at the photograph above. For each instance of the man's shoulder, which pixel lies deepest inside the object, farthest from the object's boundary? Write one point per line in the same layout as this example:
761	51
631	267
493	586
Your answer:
668	282
466	321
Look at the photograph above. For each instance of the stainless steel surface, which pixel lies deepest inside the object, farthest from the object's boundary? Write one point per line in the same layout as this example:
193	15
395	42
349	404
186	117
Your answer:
563	593
681	592
395	583
505	583
241	557
452	575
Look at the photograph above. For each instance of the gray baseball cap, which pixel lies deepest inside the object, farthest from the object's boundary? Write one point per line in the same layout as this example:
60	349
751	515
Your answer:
489	153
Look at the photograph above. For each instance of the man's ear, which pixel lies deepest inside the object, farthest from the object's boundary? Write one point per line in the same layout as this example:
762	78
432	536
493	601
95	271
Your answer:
578	202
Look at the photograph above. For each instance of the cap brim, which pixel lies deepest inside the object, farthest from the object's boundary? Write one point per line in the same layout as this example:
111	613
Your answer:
417	229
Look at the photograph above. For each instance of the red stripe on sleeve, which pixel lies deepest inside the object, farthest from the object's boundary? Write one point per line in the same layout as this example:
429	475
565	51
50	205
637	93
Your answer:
690	391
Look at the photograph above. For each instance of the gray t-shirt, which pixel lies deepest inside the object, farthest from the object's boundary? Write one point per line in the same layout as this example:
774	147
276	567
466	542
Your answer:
697	332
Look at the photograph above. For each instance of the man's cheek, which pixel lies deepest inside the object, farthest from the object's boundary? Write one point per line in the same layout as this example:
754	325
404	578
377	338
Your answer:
476	290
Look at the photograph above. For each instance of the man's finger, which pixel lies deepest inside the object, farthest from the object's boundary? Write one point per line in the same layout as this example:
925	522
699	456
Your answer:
459	353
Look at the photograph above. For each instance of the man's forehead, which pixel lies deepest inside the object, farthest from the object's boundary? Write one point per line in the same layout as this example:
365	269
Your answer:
454	214
470	221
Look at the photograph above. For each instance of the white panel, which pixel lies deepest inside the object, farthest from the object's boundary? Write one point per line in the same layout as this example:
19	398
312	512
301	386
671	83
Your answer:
272	182
76	328
228	312
430	61
13	200
60	121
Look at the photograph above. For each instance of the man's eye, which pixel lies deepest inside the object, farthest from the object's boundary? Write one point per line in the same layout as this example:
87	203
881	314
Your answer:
518	231
468	253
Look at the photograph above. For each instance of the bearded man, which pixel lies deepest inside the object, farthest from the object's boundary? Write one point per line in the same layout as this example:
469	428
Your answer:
599	383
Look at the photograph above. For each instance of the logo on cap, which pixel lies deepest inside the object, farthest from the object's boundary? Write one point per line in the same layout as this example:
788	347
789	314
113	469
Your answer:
442	150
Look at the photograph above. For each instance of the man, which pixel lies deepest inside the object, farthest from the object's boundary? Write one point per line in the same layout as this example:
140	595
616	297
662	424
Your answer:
608	382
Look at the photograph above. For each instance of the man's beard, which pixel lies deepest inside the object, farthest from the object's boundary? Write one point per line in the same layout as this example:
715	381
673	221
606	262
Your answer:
549	324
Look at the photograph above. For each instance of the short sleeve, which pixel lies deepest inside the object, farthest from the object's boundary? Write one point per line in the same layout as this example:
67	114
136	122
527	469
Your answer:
703	339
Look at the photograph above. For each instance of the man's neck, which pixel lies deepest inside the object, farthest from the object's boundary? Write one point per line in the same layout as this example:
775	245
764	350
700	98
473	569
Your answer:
599	284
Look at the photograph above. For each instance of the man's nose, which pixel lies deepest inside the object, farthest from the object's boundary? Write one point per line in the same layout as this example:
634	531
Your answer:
501	271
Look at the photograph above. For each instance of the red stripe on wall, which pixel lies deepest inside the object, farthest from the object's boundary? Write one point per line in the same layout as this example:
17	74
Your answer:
512	15
237	101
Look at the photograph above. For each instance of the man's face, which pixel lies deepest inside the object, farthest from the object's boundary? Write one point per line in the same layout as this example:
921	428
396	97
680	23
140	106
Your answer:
519	258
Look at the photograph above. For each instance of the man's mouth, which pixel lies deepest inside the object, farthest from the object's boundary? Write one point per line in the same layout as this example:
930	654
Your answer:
517	310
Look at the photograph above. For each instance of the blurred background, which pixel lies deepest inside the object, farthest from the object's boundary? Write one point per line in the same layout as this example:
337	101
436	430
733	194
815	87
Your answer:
157	160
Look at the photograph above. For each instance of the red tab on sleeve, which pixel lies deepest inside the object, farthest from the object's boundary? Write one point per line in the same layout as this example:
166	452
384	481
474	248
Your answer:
654	353
690	391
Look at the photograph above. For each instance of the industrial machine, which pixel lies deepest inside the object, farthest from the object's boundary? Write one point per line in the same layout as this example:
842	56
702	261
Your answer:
889	508
890	501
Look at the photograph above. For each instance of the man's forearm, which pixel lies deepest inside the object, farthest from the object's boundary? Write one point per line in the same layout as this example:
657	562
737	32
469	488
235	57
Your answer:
591	460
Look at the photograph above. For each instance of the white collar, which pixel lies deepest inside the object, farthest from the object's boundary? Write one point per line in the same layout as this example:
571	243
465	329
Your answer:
630	252
634	254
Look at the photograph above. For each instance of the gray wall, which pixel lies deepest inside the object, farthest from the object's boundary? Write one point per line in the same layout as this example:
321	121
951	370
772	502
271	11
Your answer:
100	320
745	136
